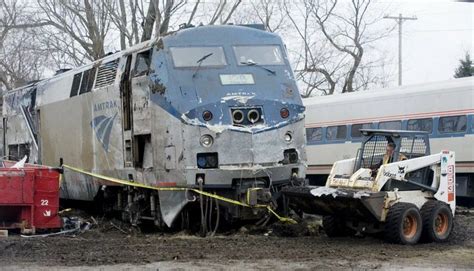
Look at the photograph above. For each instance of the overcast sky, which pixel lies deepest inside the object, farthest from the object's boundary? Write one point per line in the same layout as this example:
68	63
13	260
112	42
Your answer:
433	44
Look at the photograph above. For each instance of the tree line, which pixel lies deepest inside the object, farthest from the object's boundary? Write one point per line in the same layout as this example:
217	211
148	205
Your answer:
327	40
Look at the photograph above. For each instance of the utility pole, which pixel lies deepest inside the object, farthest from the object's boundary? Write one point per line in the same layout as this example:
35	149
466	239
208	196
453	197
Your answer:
400	20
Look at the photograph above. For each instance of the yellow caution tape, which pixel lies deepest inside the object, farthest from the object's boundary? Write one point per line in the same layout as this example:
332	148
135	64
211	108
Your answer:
207	194
119	181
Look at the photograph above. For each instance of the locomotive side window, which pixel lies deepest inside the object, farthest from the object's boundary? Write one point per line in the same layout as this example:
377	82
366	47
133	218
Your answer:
76	82
314	134
336	132
142	64
391	125
472	123
420	125
186	57
262	55
453	124
355	129
87	81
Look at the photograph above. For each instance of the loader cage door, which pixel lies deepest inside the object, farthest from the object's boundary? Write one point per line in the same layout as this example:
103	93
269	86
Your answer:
371	152
413	146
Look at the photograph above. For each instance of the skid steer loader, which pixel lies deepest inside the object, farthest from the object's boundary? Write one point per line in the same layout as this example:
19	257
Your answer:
393	186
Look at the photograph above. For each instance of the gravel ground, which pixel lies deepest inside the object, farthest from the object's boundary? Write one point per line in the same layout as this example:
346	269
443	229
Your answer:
107	248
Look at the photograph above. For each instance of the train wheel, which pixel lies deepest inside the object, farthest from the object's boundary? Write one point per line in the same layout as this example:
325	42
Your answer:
403	224
437	221
335	226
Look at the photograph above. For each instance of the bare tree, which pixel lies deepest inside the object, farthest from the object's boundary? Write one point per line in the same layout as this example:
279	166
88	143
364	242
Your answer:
269	13
223	15
125	17
73	32
21	60
85	23
158	17
345	28
160	14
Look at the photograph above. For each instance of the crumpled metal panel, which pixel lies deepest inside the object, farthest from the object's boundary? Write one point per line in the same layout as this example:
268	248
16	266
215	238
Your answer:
141	106
171	204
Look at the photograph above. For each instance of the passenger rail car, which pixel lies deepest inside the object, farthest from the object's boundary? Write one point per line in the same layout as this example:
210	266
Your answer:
443	109
214	107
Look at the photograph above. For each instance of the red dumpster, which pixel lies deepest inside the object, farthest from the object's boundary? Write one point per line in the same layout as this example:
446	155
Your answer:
29	198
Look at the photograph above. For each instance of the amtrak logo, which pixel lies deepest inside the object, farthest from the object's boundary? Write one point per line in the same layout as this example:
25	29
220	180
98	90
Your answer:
103	127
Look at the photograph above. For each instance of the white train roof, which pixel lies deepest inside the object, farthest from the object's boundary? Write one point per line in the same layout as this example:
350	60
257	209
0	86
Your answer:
451	97
447	85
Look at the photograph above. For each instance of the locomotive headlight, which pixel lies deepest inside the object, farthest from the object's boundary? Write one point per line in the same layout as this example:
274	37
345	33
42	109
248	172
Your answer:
253	115
206	141
238	116
288	137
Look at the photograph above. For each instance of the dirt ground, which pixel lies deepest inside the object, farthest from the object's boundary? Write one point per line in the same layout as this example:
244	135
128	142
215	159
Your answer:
111	249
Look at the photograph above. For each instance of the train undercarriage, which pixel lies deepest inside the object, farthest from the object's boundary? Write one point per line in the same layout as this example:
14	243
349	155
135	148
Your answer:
205	212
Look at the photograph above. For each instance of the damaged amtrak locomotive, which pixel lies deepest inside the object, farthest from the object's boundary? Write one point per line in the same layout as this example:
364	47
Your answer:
214	108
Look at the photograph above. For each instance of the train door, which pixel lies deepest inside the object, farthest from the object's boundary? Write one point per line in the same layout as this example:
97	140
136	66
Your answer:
126	96
141	126
136	114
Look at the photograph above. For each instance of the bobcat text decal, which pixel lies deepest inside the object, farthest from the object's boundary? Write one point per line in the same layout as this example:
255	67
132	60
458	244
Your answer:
450	183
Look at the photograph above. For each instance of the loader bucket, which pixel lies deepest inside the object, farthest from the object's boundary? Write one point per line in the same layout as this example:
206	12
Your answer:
332	201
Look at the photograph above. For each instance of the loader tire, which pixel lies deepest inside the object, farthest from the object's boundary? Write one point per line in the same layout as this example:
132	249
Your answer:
437	221
403	224
334	226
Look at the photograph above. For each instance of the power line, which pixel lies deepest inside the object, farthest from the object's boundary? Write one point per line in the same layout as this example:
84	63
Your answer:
400	19
441	30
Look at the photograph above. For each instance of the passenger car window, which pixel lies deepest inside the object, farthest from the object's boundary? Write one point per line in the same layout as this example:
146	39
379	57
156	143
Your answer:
355	129
452	124
391	125
189	56
314	134
263	55
142	64
420	125
336	132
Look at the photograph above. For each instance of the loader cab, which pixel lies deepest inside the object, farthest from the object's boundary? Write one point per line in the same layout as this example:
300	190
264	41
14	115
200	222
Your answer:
407	145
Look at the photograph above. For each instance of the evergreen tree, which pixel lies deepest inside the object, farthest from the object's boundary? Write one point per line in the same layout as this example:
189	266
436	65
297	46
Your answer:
465	68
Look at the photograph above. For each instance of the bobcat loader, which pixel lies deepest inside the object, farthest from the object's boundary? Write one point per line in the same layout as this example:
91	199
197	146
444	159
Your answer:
393	186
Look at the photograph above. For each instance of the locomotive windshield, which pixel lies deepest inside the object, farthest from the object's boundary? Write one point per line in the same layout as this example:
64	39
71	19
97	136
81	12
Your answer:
198	56
262	55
